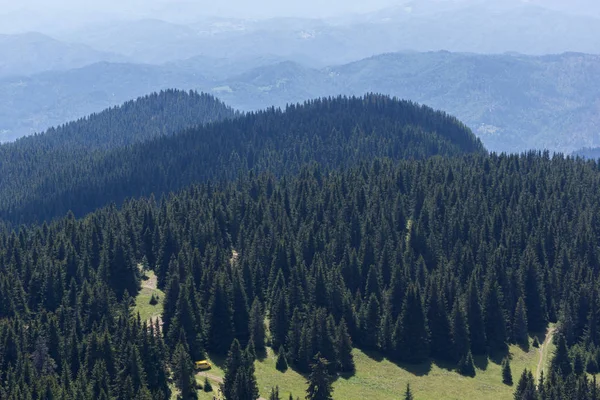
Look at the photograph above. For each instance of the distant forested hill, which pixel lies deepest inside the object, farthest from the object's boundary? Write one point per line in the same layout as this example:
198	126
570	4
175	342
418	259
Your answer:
38	184
512	102
148	117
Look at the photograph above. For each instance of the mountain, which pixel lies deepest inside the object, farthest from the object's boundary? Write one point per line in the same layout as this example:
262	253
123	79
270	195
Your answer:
460	26
39	183
30	53
512	102
33	104
143	119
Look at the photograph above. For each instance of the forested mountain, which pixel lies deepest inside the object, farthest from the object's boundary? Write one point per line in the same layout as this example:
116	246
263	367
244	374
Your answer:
31	53
512	102
587	152
146	118
38	184
434	259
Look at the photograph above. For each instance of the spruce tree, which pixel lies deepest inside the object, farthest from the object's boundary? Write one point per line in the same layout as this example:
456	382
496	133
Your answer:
343	342
439	325
183	373
319	381
526	389
207	387
281	364
466	365
220	318
519	326
495	321
537	316
257	326
411	335
408	393
235	362
278	320
506	372
460	333
561	362
475	319
274	393
370	322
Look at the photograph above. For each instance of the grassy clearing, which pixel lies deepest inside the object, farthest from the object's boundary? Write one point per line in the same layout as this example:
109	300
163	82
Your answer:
142	300
380	379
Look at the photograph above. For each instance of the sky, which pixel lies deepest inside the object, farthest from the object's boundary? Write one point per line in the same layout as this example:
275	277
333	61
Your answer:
228	8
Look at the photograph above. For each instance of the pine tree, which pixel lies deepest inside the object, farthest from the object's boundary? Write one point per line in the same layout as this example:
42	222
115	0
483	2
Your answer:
526	389
241	317
278	320
281	364
411	335
466	365
495	321
537	316
475	320
439	325
460	333
370	322
183	373
561	362
220	318
274	393
506	372
343	342
235	362
207	387
319	381
257	326
519	327
408	394
578	366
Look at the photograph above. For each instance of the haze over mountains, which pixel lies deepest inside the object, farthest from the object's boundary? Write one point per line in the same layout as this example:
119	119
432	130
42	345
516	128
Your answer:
512	102
106	54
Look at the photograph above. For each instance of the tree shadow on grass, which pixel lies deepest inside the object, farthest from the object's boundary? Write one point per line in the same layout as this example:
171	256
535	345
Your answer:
373	354
481	362
499	355
218	360
420	369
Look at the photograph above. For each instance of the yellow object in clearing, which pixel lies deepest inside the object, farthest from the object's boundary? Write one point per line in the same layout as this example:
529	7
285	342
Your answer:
202	365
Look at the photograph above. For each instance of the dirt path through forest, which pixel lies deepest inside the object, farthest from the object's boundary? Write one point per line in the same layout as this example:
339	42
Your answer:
543	346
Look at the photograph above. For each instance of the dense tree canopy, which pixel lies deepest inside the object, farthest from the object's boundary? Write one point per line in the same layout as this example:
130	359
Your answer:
39	181
322	248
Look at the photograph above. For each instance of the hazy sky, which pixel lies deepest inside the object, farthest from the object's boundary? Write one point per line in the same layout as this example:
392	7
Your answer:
239	8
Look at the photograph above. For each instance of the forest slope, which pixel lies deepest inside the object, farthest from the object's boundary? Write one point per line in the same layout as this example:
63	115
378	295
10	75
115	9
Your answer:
424	262
331	132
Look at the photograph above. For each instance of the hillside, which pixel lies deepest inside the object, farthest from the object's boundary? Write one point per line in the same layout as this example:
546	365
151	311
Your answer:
512	102
332	132
430	271
143	119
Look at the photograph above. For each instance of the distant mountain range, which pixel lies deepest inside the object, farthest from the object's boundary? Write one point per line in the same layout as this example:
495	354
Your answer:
513	102
31	53
458	26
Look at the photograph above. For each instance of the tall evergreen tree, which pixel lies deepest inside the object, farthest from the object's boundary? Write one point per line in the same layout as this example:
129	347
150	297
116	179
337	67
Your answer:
183	373
475	321
257	326
319	381
411	335
519	327
495	319
561	362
